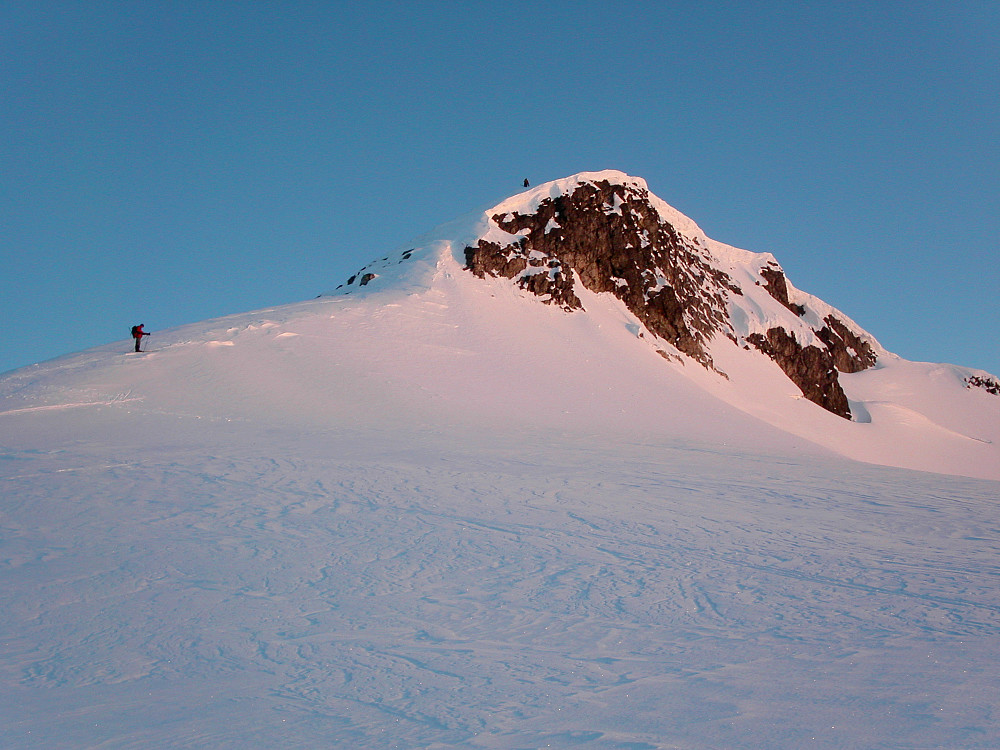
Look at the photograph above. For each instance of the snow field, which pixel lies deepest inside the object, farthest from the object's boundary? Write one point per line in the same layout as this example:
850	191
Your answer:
388	589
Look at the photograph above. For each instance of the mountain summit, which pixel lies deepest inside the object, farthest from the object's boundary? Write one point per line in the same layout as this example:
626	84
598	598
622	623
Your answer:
612	235
586	305
697	303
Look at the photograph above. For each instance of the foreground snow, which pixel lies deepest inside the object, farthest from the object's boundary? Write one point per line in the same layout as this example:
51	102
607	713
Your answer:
178	583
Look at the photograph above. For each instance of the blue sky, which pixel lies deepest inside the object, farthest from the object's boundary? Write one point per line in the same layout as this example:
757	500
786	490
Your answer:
167	162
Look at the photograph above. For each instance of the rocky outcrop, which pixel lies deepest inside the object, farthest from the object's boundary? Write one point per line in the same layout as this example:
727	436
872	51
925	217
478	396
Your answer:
988	384
777	287
811	368
610	237
613	240
605	232
850	352
847	350
815	370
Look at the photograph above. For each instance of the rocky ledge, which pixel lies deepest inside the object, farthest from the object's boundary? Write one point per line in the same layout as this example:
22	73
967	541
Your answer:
614	241
988	384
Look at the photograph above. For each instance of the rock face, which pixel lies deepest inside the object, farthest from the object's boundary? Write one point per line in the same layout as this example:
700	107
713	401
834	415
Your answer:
987	383
609	236
612	239
850	352
777	287
811	368
814	369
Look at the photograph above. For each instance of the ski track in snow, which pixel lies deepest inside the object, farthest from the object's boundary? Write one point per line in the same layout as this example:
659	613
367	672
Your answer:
410	590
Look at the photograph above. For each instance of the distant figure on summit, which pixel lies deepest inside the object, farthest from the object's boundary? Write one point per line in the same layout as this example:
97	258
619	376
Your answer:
526	182
137	334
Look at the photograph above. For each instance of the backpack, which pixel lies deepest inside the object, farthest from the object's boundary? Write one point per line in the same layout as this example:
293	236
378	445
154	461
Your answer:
134	329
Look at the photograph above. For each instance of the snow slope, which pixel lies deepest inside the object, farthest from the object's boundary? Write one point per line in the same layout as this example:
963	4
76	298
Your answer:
434	513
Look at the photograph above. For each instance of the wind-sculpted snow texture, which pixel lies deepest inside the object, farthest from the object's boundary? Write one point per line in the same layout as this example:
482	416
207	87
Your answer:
255	588
608	233
429	512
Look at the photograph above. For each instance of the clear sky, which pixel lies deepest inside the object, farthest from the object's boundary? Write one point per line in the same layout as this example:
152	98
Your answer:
167	162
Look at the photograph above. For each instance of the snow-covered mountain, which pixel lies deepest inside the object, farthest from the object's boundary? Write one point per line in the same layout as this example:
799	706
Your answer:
565	473
603	237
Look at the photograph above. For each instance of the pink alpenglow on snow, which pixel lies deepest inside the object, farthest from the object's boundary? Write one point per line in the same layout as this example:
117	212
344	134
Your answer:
565	473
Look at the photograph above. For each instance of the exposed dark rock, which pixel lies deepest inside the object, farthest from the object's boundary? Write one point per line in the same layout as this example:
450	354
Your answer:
366	278
777	287
812	369
990	385
610	238
850	352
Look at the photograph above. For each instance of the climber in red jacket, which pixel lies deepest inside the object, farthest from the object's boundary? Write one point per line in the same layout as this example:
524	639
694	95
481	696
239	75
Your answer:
137	334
